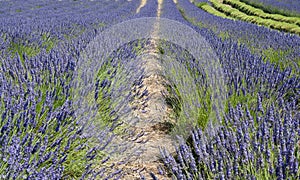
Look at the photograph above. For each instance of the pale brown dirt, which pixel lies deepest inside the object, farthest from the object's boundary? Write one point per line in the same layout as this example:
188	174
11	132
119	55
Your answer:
153	114
142	4
154	117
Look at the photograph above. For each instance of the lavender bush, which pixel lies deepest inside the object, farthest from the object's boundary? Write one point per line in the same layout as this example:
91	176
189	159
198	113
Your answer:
262	104
43	136
264	147
277	47
40	136
286	7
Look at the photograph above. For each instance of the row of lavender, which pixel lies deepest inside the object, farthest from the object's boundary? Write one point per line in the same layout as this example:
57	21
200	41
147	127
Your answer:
276	46
285	6
264	147
40	136
60	20
259	137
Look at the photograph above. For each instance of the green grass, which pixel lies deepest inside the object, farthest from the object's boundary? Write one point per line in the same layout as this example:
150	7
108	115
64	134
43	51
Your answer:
174	100
76	160
243	7
271	9
224	35
48	42
181	80
236	99
99	25
235	13
205	110
104	101
206	7
278	57
76	30
29	50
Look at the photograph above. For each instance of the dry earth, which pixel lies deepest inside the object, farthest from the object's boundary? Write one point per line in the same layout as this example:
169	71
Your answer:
152	112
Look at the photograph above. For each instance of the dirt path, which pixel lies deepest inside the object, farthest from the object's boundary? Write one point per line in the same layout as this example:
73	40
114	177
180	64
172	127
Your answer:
153	113
142	4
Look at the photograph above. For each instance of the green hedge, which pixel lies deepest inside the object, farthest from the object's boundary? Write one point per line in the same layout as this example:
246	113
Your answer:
260	13
235	13
270	9
206	7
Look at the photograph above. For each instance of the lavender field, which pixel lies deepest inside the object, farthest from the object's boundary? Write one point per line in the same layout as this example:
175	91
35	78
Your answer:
150	89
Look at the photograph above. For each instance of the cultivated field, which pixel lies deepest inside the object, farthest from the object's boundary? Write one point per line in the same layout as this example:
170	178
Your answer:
150	89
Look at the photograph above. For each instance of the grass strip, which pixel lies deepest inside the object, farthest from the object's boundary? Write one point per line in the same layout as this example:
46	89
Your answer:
250	10
271	9
206	7
230	11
